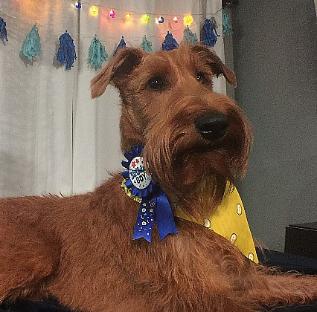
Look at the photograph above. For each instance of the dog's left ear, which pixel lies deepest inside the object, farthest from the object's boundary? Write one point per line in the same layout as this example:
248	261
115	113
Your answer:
119	67
218	67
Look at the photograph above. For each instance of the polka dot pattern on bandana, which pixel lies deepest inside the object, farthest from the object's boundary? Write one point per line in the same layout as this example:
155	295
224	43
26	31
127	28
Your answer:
229	220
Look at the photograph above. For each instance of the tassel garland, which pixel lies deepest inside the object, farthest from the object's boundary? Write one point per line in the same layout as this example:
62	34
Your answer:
66	53
97	54
3	31
31	47
146	45
169	42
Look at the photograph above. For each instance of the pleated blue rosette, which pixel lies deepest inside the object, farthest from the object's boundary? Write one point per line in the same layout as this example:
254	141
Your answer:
122	44
155	209
3	31
97	54
209	33
146	45
66	54
169	42
31	47
189	36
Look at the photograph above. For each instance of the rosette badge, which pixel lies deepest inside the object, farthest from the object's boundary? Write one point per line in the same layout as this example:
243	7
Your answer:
155	208
138	181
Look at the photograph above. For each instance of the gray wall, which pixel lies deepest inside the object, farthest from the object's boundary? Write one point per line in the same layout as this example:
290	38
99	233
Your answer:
275	50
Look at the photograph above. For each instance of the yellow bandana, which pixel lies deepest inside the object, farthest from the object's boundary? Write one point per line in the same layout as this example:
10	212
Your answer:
230	221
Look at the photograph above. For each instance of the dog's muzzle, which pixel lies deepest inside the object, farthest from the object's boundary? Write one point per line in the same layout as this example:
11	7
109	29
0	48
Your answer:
212	126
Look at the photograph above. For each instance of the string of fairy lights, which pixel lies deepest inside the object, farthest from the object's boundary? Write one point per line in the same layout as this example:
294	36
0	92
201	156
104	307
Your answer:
144	18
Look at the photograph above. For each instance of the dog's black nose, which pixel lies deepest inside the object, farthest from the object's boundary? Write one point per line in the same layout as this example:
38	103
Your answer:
212	126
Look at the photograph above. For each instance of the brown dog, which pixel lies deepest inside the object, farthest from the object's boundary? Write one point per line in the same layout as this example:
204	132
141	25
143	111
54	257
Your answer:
79	249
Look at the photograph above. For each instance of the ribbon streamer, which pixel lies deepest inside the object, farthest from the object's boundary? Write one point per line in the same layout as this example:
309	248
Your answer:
164	216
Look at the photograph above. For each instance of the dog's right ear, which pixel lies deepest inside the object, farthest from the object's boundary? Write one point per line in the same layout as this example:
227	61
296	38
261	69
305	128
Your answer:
121	65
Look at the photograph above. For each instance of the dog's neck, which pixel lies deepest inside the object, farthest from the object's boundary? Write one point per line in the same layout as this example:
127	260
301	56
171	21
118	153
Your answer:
203	199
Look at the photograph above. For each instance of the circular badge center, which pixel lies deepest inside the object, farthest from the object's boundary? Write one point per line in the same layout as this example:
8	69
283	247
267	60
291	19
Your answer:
138	176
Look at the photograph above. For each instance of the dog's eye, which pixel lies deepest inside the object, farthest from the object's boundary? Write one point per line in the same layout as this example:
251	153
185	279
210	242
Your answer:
201	77
156	83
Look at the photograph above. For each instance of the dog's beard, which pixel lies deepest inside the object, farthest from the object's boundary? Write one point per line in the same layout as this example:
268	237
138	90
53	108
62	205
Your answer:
188	168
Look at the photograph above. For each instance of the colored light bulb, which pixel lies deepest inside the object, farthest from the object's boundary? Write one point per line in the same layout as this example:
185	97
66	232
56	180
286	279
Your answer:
94	10
112	13
160	20
188	20
145	19
128	17
77	5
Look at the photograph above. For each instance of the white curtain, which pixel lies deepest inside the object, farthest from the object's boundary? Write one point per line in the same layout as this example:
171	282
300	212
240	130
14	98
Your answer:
53	137
35	102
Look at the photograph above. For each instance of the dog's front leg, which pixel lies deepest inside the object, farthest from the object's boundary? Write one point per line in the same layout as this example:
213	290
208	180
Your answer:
27	259
271	288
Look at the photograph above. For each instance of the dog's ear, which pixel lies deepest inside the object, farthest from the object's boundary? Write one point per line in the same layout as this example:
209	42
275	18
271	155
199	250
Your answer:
218	67
119	66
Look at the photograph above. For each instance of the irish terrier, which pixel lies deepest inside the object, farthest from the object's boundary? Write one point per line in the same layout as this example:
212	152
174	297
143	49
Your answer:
80	250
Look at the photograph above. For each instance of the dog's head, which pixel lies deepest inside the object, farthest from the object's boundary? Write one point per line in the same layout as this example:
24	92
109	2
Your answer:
192	136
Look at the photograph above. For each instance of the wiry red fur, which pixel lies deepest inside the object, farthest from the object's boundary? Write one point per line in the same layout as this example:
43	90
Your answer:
79	248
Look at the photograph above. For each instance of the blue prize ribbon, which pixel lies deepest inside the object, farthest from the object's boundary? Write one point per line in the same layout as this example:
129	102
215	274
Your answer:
155	207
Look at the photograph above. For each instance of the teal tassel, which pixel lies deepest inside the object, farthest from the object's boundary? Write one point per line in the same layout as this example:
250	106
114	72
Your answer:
226	22
97	54
31	47
146	45
189	36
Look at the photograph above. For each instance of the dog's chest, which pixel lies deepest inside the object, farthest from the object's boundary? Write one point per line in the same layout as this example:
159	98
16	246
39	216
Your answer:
227	219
